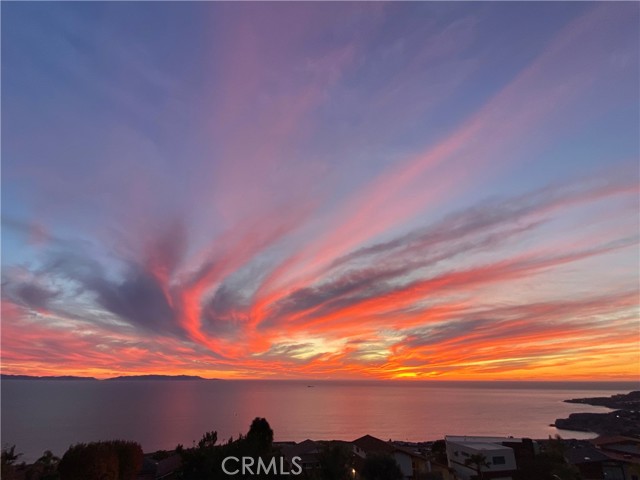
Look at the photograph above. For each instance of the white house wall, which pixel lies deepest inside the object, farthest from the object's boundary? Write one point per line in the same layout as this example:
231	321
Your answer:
466	450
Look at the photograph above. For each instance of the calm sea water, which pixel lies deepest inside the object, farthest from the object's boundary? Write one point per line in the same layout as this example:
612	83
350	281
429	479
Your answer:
38	415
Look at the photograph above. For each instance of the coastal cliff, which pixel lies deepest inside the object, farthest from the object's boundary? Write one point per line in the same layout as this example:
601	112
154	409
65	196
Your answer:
624	420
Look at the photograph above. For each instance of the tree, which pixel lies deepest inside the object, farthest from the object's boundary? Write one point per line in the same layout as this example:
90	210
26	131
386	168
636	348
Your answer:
113	460
335	462
9	455
439	451
130	458
556	446
45	468
48	460
260	435
478	461
93	460
8	459
48	463
208	440
381	467
546	466
204	461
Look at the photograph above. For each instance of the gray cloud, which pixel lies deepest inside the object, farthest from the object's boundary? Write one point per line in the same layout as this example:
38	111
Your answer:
511	321
136	297
139	299
225	314
442	332
490	215
29	294
168	247
397	262
357	285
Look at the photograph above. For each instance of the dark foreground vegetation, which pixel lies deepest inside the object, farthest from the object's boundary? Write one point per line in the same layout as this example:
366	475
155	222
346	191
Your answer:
332	460
123	460
112	460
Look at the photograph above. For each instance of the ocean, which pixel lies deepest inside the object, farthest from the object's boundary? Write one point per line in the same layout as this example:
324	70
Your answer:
39	415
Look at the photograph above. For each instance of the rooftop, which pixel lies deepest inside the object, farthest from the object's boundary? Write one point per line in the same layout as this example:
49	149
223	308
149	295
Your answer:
373	445
473	439
576	456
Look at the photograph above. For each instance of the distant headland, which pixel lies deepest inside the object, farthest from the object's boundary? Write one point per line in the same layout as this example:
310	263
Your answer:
623	420
158	377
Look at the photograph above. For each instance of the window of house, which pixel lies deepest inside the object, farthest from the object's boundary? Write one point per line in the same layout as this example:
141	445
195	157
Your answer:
498	460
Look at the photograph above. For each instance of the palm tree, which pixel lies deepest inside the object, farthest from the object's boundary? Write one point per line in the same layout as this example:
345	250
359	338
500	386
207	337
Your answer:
477	461
8	459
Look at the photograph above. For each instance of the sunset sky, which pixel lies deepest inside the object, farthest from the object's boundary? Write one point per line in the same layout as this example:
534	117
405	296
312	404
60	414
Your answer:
321	190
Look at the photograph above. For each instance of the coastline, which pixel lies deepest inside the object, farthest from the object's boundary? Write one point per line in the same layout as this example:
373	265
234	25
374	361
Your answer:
624	419
405	411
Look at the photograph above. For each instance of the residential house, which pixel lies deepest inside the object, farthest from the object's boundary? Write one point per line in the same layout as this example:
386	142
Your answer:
500	453
159	469
411	463
625	449
308	451
594	464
